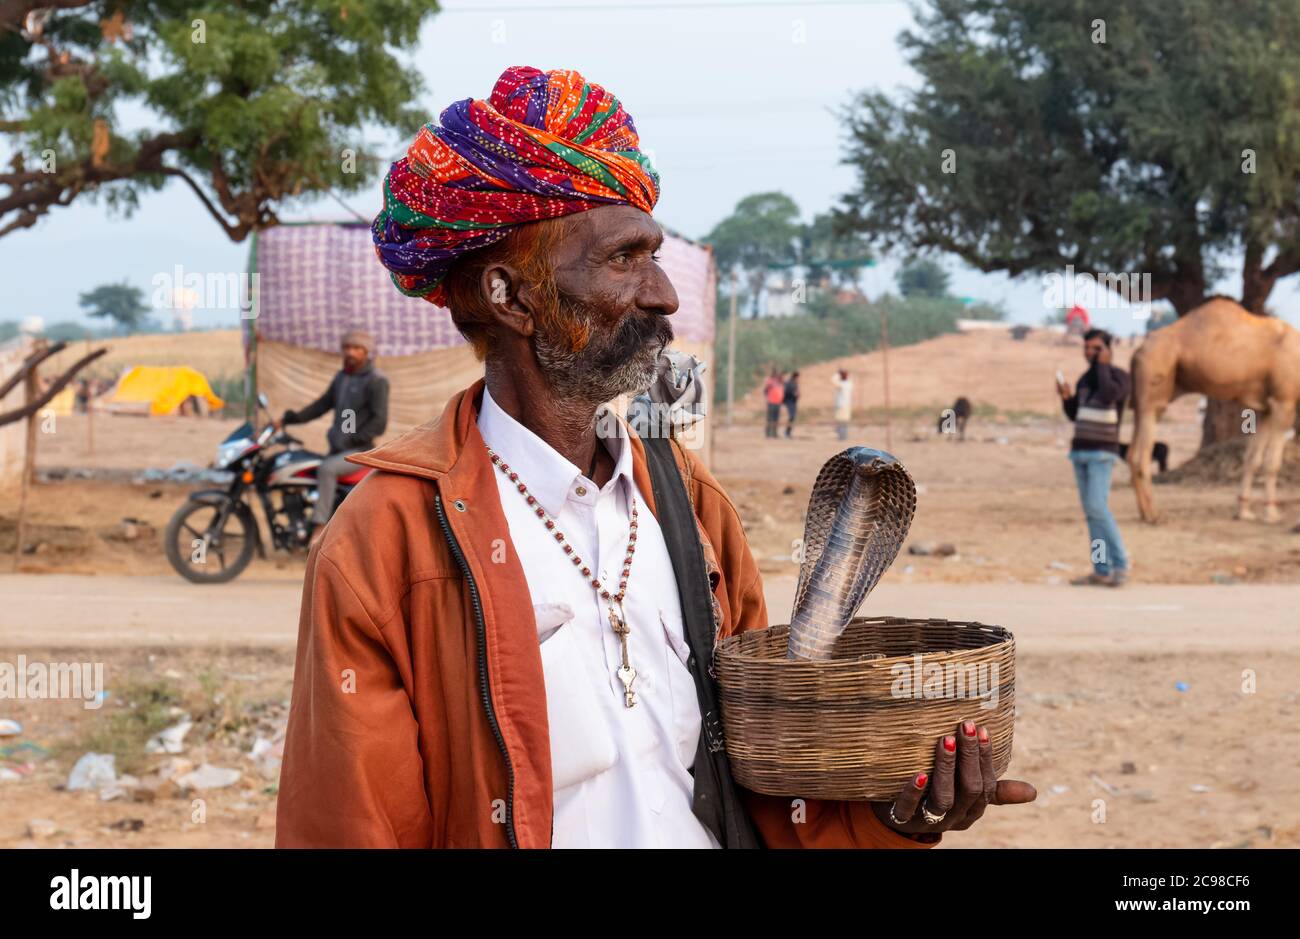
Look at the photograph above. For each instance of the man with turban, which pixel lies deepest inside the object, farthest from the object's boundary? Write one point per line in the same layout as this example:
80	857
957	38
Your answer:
506	633
358	396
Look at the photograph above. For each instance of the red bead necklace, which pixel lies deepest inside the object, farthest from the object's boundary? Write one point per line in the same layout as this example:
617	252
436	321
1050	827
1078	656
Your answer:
626	673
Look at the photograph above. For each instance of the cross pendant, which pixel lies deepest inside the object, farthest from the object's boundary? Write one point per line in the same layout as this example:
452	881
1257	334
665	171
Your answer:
626	673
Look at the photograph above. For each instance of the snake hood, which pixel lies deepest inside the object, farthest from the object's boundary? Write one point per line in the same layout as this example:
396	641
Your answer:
859	513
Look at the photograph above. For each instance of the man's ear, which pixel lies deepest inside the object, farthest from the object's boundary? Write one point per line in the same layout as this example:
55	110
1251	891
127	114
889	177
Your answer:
508	298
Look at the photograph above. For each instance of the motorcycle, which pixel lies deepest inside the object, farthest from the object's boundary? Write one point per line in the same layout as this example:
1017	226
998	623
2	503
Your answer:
219	524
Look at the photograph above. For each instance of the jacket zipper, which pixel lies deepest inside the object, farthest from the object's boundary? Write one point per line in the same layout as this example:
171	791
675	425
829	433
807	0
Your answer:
481	627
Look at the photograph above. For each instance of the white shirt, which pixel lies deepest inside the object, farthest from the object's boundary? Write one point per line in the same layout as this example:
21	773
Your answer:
843	392
620	775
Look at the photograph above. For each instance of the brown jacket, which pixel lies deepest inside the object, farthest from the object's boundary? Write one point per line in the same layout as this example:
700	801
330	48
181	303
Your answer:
402	731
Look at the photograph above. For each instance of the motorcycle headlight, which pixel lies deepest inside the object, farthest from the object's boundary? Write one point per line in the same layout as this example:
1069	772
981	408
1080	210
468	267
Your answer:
229	452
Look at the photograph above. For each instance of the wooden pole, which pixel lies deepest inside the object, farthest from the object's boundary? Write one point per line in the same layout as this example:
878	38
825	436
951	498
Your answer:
731	354
31	390
884	352
90	412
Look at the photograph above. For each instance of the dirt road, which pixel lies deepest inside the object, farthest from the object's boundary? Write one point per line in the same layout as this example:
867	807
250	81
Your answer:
1154	716
110	611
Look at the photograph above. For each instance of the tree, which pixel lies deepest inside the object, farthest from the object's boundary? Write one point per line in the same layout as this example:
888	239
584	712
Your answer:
761	232
923	278
1118	139
249	104
832	254
121	303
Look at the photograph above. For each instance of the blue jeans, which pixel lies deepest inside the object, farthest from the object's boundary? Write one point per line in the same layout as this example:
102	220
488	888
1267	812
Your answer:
1092	470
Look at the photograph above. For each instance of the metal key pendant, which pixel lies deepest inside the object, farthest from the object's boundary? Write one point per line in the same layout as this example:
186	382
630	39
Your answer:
627	674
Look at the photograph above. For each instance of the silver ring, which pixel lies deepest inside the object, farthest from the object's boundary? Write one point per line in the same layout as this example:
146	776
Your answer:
894	818
930	817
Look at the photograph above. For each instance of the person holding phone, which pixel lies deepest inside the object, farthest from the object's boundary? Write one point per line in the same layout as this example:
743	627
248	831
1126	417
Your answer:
1096	407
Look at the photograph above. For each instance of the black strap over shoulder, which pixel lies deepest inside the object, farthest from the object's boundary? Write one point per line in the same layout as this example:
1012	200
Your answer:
717	801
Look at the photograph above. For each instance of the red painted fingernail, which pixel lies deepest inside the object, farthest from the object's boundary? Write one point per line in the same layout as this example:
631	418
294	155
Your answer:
984	735
921	780
950	744
968	728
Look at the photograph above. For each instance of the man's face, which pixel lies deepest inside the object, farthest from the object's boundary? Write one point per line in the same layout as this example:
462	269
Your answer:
354	357
611	288
1093	348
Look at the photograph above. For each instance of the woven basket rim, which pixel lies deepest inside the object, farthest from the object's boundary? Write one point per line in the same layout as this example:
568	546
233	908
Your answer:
1005	640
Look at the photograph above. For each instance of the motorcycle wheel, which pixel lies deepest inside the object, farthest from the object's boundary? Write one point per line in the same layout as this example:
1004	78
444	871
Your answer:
191	524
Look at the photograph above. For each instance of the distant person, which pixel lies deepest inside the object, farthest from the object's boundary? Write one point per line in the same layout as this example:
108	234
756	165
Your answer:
774	394
1096	406
790	398
843	402
358	394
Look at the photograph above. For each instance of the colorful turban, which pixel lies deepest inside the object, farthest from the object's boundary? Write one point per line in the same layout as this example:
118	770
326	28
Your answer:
544	145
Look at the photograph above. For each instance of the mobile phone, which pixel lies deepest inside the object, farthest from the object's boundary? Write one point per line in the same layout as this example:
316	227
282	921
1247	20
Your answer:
1060	378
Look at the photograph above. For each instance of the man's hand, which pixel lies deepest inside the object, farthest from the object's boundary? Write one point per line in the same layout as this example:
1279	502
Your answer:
962	786
1104	355
1063	389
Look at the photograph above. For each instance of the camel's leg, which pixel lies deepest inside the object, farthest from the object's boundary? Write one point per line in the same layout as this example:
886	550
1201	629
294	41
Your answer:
1281	415
1139	462
1250	465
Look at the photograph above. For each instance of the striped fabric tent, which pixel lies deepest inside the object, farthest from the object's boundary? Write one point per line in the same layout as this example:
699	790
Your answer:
316	280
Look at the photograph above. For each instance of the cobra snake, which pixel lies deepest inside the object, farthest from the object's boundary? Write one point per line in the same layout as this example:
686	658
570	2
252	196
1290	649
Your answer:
858	515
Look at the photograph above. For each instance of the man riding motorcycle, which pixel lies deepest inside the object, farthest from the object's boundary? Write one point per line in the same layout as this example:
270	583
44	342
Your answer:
358	395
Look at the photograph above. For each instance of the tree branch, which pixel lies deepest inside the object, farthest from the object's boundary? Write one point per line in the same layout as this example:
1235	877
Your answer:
235	233
13	13
27	410
32	360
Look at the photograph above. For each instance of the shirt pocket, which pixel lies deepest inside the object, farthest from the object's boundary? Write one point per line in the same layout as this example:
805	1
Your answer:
686	703
582	745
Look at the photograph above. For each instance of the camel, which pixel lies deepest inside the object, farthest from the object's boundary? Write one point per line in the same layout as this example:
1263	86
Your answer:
1223	351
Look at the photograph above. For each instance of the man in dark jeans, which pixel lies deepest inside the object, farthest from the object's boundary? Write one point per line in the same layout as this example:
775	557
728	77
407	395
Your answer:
359	396
791	401
1096	407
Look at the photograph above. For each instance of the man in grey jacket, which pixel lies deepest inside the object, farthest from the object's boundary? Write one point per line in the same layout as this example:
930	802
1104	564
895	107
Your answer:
358	395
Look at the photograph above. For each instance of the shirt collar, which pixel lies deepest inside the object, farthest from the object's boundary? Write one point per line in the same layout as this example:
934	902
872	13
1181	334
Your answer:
548	475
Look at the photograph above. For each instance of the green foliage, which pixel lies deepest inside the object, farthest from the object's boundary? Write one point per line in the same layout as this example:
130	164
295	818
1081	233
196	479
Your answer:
121	303
923	278
135	713
1032	144
831	330
832	255
63	329
762	231
68	330
251	104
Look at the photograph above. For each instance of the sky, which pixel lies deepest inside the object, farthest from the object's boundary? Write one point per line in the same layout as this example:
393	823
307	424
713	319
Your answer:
729	99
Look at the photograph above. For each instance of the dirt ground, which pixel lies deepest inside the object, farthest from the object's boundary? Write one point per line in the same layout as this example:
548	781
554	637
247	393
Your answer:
1164	716
1114	703
233	696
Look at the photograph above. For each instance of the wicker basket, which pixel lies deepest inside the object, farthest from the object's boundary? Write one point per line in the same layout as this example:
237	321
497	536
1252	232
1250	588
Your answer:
853	727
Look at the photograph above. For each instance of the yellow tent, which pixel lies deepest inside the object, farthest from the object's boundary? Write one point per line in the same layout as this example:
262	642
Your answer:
62	404
161	388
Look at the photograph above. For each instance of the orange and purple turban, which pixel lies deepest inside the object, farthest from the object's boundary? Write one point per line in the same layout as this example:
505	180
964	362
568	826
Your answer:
544	145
